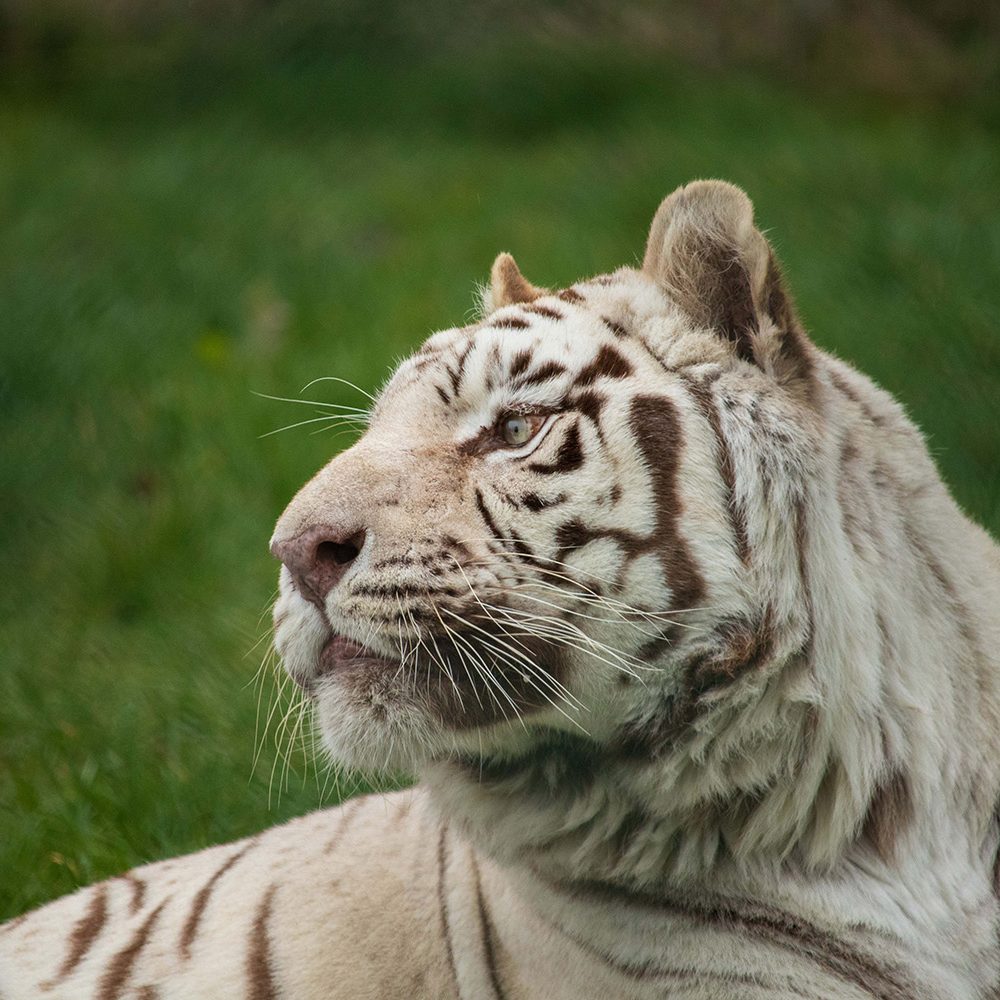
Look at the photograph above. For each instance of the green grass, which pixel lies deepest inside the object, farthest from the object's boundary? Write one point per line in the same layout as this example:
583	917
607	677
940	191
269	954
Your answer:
172	243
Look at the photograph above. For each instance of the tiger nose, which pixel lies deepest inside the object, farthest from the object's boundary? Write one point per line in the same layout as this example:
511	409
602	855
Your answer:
318	558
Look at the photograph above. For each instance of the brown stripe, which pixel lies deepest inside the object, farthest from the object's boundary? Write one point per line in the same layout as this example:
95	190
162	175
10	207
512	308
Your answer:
462	358
609	363
536	503
147	993
889	812
120	967
616	328
547	311
550	369
520	546
802	553
486	934
519	362
702	395
442	860
658	434
747	644
347	813
260	978
442	395
590	404
190	928
486	516
84	932
510	323
795	355
568	458
642	971
16	922
138	888
570	295
837	958
846	389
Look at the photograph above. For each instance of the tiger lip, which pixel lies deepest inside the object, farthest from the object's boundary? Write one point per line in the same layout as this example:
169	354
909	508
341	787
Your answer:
341	653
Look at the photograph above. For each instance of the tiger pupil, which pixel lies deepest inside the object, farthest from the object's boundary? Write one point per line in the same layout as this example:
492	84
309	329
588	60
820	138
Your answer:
516	430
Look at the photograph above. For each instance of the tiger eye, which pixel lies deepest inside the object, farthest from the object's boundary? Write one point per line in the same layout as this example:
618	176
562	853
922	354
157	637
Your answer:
519	429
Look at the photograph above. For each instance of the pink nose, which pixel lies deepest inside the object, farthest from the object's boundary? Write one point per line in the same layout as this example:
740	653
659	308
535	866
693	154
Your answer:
318	558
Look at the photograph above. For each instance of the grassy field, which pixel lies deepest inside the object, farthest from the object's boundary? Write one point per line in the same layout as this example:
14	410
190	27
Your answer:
172	244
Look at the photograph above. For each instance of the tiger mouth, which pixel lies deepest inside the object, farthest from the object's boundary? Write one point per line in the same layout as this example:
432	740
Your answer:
340	653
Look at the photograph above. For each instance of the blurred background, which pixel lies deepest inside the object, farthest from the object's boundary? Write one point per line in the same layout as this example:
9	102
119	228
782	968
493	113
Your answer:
201	200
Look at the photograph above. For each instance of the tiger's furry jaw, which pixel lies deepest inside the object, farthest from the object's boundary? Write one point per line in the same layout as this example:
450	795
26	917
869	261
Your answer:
642	582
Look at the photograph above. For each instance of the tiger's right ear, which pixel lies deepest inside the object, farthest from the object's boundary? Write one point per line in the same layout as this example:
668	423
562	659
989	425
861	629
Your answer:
706	253
508	286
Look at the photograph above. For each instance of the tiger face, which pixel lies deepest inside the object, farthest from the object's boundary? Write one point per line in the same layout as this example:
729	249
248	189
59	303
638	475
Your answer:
541	534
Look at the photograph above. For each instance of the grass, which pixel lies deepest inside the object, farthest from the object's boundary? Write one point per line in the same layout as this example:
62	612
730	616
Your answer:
175	242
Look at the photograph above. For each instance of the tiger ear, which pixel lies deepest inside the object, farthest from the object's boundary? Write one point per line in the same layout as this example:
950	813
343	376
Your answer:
508	286
706	253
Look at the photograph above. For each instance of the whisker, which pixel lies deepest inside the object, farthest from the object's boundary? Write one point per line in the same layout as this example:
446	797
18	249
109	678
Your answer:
335	378
330	418
360	411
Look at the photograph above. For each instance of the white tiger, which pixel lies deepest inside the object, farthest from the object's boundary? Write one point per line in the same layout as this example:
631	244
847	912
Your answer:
694	655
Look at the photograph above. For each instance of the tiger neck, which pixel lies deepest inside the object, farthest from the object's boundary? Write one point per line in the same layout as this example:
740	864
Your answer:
565	825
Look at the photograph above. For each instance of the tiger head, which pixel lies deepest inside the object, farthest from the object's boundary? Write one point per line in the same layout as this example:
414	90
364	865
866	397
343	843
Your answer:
569	573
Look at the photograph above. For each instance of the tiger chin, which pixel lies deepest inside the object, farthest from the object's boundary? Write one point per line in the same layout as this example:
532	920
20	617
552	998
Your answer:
692	653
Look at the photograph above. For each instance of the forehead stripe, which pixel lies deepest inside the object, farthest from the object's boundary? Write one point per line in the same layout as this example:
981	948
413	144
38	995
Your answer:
547	311
550	369
510	323
520	362
609	363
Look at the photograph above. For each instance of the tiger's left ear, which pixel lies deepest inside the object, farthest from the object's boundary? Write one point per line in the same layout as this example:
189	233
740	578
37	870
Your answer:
508	286
706	253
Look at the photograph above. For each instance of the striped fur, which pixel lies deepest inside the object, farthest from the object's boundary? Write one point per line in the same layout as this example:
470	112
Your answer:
701	682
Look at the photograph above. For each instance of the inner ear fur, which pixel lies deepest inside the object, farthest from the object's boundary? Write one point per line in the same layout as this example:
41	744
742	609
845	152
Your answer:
508	286
706	253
